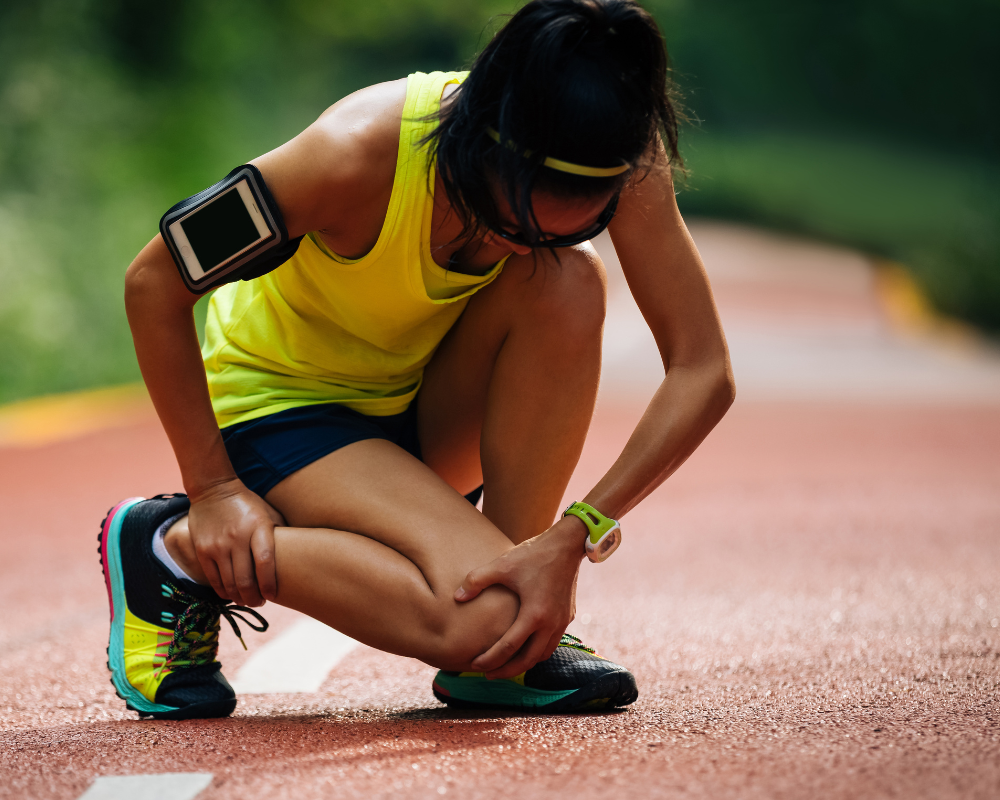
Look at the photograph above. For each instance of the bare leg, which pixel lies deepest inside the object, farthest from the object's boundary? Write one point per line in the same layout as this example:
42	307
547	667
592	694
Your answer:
380	542
509	395
393	586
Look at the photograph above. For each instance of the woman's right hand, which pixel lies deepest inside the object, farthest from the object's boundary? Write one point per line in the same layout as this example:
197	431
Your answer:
232	530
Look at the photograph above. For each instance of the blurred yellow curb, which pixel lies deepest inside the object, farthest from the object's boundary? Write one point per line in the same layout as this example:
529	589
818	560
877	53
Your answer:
910	311
43	420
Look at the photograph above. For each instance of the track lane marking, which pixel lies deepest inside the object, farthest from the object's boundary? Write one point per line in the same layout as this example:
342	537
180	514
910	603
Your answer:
296	661
167	786
59	417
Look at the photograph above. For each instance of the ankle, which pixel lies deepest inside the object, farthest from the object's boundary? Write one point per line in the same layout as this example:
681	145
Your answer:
178	542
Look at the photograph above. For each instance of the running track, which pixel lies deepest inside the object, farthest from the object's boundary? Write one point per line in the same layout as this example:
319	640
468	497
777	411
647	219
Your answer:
810	605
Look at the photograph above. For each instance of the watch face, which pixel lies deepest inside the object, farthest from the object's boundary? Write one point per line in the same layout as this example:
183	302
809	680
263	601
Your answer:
608	544
605	546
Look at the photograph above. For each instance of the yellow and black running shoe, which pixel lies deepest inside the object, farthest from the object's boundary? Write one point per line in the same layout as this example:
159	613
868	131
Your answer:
164	631
573	678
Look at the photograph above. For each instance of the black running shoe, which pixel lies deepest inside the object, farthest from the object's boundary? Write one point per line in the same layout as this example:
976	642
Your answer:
573	678
164	631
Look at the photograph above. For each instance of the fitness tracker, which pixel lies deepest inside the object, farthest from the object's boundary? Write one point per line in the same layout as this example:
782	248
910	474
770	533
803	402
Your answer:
230	231
605	533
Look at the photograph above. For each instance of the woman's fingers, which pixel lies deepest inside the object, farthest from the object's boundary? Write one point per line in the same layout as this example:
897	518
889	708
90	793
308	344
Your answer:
479	579
262	547
223	567
213	576
505	649
245	578
534	650
233	536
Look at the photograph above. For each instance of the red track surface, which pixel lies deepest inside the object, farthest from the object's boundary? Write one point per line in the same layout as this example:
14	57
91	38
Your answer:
810	607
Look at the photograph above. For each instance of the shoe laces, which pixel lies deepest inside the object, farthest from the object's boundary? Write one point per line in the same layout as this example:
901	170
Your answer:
195	638
569	640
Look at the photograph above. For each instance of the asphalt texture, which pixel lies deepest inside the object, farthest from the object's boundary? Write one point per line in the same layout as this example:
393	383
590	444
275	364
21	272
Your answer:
811	605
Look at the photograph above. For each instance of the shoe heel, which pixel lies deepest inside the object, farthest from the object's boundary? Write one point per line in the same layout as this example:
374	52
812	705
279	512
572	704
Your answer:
102	545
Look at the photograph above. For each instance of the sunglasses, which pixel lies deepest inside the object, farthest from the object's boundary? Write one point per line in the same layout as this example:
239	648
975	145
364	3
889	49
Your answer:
568	240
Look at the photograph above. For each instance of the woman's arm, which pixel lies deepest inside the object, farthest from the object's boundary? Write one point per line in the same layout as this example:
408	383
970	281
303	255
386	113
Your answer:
236	526
668	281
334	177
666	277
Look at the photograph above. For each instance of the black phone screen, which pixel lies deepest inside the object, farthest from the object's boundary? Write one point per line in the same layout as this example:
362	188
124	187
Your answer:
220	230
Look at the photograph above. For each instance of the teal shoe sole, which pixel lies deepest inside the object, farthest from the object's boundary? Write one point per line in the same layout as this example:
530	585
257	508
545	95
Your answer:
611	690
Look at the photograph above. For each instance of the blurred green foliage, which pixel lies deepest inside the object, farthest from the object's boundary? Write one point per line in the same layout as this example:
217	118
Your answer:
874	123
870	122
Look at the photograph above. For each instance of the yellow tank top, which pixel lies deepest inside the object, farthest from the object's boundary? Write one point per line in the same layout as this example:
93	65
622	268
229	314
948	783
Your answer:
326	329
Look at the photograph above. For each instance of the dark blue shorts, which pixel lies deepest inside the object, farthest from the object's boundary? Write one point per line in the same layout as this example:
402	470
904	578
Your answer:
267	450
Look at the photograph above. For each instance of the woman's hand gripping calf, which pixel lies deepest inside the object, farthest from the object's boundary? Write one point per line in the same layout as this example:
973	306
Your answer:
232	530
542	572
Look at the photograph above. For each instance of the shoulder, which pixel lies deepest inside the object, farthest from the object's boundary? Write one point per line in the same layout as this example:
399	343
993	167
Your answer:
363	126
344	159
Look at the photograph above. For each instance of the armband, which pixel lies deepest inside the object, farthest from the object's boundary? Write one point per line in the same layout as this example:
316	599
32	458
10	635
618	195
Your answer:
230	231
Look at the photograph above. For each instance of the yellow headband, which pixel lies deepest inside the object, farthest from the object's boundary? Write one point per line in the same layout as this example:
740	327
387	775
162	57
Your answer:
566	166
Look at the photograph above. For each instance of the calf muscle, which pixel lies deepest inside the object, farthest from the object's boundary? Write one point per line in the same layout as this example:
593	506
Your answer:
379	597
379	547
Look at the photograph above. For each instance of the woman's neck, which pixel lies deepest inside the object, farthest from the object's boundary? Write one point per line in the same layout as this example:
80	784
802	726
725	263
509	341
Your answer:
469	256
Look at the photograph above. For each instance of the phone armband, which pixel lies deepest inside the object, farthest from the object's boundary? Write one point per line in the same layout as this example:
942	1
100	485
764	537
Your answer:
230	231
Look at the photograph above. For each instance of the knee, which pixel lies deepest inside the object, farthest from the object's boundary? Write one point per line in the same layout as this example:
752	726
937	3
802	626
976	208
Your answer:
463	631
572	294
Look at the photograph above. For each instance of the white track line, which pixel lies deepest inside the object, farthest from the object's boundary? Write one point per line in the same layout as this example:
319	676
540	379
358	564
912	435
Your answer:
297	661
170	786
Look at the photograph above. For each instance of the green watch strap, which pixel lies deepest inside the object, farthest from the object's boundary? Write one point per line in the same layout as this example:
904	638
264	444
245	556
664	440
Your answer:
596	522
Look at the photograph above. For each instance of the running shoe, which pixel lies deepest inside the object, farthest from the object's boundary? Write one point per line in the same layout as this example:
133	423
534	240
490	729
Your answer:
164	630
573	678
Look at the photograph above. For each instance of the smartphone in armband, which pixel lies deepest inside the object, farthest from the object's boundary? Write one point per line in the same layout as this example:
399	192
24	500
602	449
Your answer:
230	231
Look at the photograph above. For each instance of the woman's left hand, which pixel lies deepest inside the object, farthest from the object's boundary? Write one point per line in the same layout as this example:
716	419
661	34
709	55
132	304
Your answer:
542	572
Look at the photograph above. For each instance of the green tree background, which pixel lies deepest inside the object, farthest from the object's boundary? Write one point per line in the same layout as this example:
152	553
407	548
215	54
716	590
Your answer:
874	123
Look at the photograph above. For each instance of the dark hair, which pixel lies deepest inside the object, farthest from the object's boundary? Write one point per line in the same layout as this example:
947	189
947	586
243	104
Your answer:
584	81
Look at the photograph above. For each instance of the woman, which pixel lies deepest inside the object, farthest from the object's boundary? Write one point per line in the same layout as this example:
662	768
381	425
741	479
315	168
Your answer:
437	330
